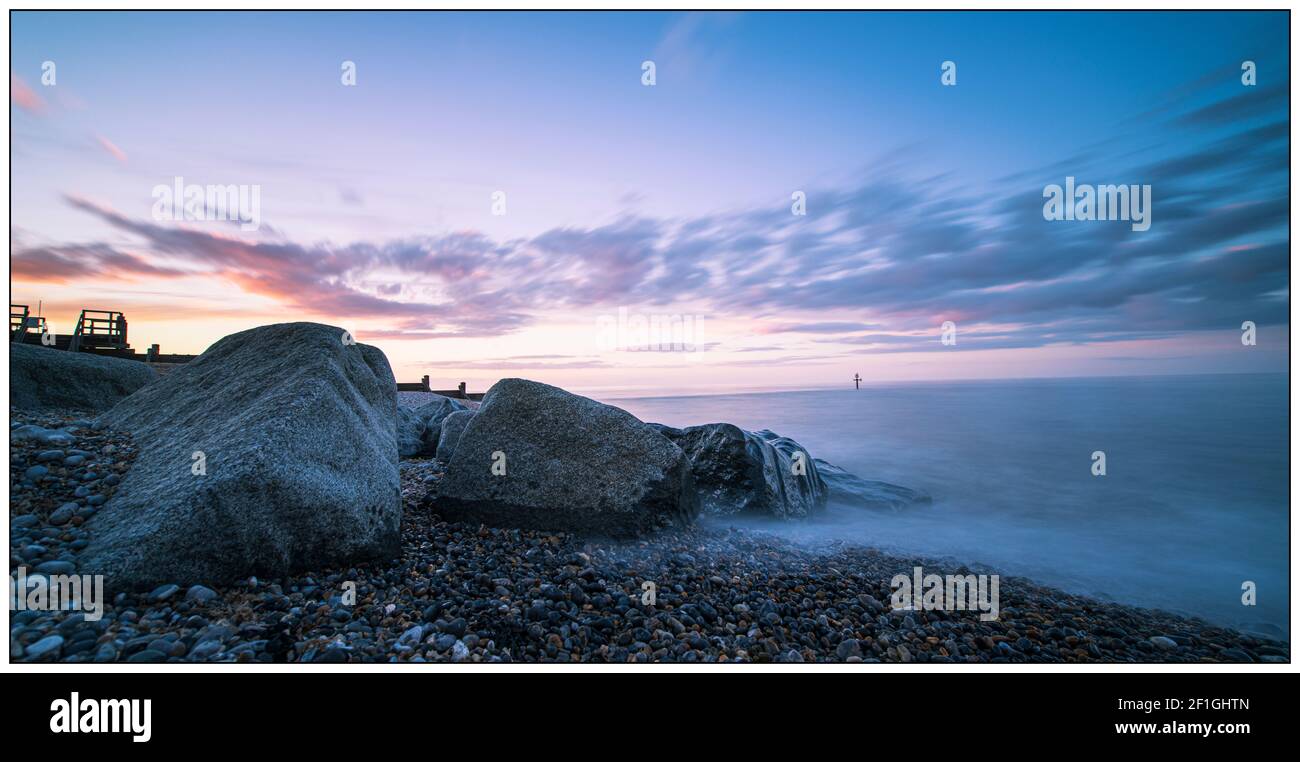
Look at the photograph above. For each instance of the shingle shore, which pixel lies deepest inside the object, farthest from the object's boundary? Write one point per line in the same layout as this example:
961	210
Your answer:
465	593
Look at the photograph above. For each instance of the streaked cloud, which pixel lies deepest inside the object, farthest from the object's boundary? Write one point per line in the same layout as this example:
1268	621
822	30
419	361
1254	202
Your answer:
24	97
112	150
900	256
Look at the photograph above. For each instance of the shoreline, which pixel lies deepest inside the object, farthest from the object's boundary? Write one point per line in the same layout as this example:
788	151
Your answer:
466	593
948	561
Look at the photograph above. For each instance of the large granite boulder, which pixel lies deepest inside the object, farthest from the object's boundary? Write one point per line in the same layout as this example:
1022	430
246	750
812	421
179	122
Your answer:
272	452
419	428
846	489
535	456
44	378
449	436
740	472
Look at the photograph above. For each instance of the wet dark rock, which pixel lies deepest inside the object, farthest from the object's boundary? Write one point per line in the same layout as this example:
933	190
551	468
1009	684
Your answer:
750	473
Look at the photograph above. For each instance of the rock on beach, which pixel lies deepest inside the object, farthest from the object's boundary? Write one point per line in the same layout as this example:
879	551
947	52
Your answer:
740	472
419	427
272	451
564	462
452	427
44	378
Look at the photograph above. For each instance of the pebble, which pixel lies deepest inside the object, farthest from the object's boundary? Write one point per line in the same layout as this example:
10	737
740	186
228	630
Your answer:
47	646
63	514
200	594
56	567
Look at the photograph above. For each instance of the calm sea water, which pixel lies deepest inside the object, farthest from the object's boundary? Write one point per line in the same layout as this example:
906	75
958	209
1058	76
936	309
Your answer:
1194	501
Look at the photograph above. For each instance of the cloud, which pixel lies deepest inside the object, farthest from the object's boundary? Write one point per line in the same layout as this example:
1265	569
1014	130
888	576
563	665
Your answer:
774	361
820	327
527	362
114	151
1251	102
63	264
694	45
24	97
890	256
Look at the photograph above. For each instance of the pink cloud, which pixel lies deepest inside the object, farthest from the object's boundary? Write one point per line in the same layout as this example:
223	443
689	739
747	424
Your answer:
114	151
24	97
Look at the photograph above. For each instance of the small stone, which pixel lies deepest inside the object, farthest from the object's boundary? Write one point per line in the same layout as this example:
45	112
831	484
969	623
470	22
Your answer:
163	592
47	646
456	627
1163	643
200	594
63	514
56	567
205	650
57	438
333	655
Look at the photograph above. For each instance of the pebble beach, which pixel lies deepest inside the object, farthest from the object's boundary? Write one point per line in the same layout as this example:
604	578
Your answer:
466	593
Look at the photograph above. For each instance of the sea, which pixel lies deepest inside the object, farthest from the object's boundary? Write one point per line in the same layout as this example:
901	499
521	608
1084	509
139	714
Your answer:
1190	516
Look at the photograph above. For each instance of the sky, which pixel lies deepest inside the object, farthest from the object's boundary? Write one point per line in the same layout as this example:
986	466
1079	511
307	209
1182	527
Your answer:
503	194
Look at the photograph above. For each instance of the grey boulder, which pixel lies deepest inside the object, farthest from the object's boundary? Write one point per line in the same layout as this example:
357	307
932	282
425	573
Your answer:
419	428
271	452
410	433
42	378
740	472
449	436
535	456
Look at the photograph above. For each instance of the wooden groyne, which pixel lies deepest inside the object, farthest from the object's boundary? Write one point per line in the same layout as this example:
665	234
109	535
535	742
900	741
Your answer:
423	386
100	332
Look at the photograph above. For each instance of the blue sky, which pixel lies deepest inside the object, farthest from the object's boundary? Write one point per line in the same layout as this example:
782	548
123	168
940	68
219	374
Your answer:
670	199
